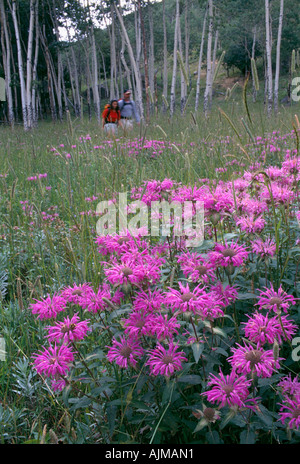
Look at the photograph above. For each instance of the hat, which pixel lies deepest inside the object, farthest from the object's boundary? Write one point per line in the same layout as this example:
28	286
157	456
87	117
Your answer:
127	90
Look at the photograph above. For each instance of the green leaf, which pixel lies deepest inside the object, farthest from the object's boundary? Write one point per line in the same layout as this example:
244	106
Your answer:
141	406
201	424
99	355
229	416
246	296
269	380
247	437
197	350
213	438
230	236
218	331
80	403
221	351
265	416
168	392
191	379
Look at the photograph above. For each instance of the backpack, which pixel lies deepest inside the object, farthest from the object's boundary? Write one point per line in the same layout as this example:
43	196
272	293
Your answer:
105	108
125	103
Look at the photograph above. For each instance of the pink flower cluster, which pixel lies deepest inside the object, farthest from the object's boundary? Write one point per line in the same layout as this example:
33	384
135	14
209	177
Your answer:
289	413
38	176
56	360
169	291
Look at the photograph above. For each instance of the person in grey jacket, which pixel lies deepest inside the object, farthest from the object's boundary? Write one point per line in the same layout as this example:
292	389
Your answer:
128	111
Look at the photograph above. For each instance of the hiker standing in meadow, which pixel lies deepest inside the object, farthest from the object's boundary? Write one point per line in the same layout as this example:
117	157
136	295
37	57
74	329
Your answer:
111	117
128	111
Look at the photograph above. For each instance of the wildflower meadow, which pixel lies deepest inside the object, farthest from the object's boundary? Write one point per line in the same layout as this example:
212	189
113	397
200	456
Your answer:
126	338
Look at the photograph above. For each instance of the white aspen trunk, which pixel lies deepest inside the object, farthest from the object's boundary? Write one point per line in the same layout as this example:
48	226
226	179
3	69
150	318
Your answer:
200	63
15	90
20	64
29	109
34	69
7	64
72	83
88	80
145	60
269	60
165	65
54	81
151	49
76	84
104	71
209	76
138	35
127	71
173	83
265	81
277	70
183	86
49	75
138	28
60	76
113	58
139	100
187	38
55	84
96	96
121	76
254	92
213	66
74	78
64	89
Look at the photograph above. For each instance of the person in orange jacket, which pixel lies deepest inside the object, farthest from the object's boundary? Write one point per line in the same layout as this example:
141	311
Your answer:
111	117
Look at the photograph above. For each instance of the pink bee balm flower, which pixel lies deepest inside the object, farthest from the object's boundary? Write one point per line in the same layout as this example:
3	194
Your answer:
247	359
276	301
163	328
164	361
251	224
75	294
54	361
262	329
58	384
70	330
196	268
49	307
226	294
186	300
125	353
136	324
290	411
290	387
281	195
264	249
149	301
228	255
96	301
291	165
130	272
230	390
118	244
